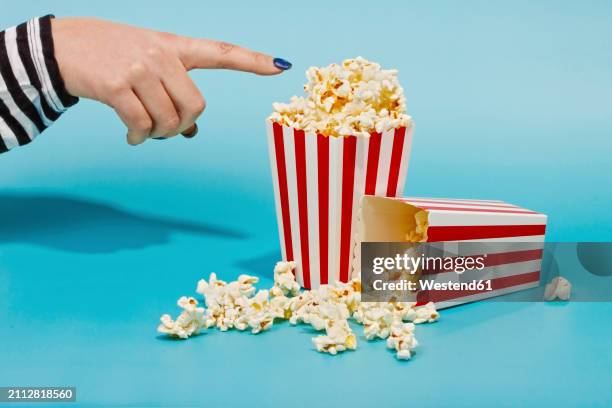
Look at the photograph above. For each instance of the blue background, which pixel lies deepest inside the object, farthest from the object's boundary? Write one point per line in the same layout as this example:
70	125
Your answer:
512	101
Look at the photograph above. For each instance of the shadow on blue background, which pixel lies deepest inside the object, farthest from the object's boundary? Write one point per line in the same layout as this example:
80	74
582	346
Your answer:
260	265
82	225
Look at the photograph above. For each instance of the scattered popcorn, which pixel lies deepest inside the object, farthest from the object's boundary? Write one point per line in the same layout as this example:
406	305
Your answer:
405	311
260	322
228	304
347	293
426	314
325	314
338	337
377	323
401	338
369	312
302	306
558	288
354	98
376	319
189	322
284	280
239	305
328	302
258	312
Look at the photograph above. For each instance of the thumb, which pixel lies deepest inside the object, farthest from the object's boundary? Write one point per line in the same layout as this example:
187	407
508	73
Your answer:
203	53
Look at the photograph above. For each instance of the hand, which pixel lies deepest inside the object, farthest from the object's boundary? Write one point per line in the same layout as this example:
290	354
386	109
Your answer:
142	74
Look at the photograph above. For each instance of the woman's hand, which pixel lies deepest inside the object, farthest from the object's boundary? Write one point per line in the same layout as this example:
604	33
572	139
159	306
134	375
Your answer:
142	74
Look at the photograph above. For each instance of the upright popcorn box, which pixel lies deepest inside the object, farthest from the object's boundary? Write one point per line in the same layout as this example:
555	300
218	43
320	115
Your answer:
318	183
512	238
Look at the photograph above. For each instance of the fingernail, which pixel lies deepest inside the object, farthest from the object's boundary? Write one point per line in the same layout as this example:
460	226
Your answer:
282	64
191	132
159	138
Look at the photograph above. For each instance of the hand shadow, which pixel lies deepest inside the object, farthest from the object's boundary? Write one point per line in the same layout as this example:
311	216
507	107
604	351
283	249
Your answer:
262	265
81	225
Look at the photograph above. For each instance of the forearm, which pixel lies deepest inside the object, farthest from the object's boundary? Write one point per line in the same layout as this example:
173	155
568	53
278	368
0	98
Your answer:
32	92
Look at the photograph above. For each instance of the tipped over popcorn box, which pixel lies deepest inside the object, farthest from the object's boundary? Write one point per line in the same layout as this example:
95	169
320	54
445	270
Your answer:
348	137
509	238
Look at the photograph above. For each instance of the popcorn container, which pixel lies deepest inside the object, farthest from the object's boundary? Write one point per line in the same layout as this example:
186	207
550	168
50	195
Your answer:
510	238
318	183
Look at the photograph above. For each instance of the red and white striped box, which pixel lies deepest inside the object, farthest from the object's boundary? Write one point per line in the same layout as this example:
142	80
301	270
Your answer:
318	183
512	238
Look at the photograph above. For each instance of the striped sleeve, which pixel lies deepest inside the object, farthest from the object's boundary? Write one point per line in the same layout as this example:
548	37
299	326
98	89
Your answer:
32	91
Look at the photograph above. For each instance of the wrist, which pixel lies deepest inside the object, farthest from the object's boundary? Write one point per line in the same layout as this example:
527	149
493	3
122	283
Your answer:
62	33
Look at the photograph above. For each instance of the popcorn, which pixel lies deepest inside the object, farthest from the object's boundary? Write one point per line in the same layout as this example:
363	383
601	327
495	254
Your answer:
419	234
284	280
339	337
332	306
302	306
405	311
260	322
235	305
257	312
402	339
377	323
327	302
368	312
348	293
559	287
354	98
426	314
322	315
228	303
376	319
280	307
239	305
189	322
242	287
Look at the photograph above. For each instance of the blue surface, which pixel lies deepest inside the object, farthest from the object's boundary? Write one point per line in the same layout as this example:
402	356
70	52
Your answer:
512	101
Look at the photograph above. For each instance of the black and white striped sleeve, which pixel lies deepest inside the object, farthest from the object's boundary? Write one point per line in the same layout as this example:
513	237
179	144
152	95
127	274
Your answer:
32	91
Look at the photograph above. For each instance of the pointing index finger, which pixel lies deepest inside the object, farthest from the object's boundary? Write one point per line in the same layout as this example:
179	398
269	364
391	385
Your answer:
203	53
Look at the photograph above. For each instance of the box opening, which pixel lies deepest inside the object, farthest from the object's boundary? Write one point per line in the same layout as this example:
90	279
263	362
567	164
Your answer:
384	220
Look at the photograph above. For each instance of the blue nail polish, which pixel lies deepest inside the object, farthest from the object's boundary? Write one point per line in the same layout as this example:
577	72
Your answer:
282	64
